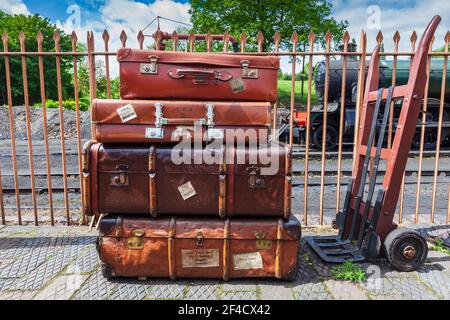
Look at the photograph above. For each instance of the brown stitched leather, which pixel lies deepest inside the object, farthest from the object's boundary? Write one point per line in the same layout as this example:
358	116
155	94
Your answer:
94	180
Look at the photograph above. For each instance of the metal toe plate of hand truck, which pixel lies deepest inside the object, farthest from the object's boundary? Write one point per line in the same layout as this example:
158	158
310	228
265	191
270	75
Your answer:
342	253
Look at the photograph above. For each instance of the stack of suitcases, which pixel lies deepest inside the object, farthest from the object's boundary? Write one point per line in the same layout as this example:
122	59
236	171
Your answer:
182	172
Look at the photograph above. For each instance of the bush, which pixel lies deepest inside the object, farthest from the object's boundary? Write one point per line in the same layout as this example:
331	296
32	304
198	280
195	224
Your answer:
84	103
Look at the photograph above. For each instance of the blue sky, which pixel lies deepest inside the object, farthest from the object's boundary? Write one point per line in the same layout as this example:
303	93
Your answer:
133	15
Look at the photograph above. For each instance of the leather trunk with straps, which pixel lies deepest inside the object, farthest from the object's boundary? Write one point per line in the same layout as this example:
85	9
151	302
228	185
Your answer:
147	121
169	180
146	74
136	246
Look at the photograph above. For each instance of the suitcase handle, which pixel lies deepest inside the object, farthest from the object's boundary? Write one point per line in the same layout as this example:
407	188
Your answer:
200	73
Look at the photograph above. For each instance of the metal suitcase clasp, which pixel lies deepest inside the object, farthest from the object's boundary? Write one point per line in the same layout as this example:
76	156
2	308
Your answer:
120	178
255	180
150	68
261	242
248	73
136	242
200	239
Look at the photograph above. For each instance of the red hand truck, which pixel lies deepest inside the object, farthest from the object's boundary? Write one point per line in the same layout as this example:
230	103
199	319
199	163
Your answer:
366	227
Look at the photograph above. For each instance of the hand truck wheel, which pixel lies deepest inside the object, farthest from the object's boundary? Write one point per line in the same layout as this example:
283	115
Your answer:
405	249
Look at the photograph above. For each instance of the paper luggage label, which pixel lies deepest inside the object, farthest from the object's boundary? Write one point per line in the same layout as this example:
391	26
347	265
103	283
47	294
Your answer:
237	85
200	258
187	190
126	113
245	261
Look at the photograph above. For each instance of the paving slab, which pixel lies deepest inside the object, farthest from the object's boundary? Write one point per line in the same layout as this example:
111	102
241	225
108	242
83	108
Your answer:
62	263
61	288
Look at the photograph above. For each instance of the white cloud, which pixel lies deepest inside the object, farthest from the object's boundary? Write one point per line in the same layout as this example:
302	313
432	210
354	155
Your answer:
14	7
130	16
414	15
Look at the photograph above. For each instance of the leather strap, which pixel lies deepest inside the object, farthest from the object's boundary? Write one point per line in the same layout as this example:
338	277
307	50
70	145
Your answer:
94	179
223	185
231	180
171	248
288	182
152	181
279	250
226	250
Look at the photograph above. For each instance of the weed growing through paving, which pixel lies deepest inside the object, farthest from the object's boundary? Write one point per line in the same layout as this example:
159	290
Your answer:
348	271
439	245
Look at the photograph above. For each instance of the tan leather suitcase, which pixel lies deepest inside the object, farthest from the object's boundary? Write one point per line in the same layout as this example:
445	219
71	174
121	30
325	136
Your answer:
153	180
152	121
146	74
131	246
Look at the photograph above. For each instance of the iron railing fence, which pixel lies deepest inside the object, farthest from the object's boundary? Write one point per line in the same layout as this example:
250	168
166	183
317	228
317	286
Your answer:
51	193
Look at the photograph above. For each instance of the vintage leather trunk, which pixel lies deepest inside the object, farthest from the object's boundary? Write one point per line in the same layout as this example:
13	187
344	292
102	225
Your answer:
152	180
136	246
146	74
146	121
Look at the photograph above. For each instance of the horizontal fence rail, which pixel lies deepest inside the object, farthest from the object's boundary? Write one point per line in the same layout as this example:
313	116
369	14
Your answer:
40	172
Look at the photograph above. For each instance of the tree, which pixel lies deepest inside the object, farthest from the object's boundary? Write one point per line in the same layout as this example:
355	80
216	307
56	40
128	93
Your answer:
31	25
252	16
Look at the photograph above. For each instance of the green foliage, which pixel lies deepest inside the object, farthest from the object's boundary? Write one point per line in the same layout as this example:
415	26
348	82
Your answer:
252	16
348	271
31	25
439	245
284	92
70	104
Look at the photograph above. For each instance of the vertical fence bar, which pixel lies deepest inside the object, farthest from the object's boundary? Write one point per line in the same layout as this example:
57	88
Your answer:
346	39
226	41
311	39
276	39
439	133
191	40
74	39
174	41
294	40
40	39
396	39
91	63
243	40
56	39
360	90
208	41
105	37
28	125
422	129
5	39
324	125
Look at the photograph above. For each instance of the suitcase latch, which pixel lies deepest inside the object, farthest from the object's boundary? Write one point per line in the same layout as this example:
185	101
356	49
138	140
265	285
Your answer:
247	72
136	242
120	178
200	239
255	180
261	242
150	68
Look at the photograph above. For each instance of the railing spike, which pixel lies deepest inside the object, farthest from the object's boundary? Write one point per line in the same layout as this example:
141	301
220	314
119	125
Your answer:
123	38
311	37
140	39
105	36
396	37
346	37
413	36
73	36
379	37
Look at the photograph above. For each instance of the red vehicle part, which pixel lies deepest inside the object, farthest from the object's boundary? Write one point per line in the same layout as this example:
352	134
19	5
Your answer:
372	225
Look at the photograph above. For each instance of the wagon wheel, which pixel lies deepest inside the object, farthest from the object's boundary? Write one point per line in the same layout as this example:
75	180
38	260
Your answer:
430	136
405	249
331	139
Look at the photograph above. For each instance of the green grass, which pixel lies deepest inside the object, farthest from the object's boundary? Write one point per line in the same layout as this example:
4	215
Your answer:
284	93
440	246
348	271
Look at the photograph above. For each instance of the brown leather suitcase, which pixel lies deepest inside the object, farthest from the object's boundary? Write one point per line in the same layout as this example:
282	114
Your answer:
146	121
172	248
149	180
146	74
